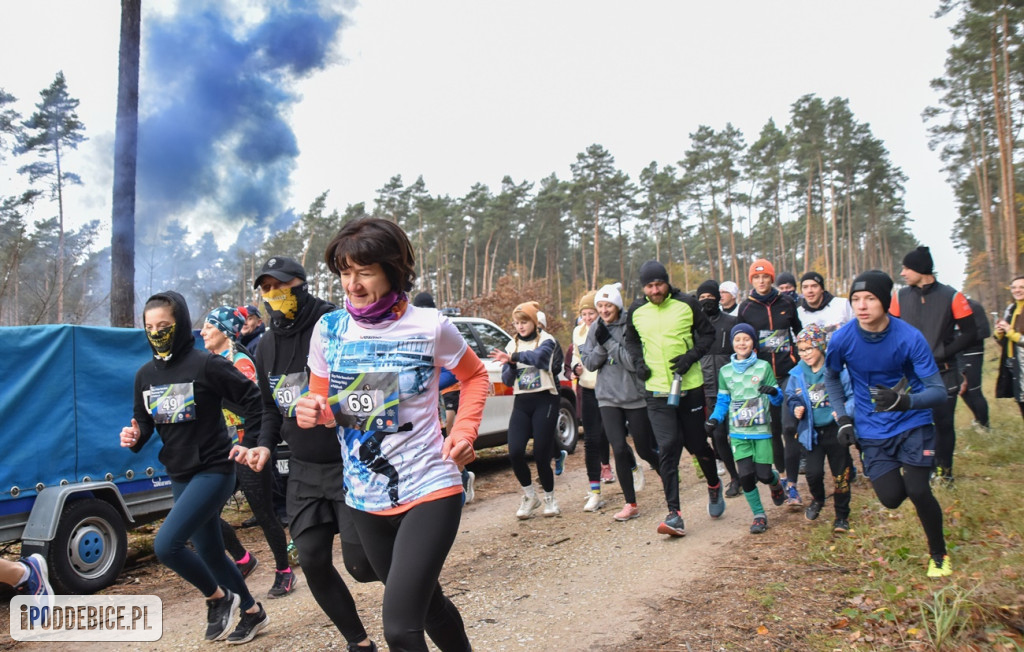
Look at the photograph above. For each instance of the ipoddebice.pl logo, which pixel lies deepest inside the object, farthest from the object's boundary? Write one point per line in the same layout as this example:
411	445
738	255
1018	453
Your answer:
86	618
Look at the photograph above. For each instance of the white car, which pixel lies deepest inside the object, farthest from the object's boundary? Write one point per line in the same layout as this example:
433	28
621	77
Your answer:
484	336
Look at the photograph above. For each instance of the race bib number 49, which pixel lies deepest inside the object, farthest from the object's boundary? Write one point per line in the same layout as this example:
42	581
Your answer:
174	403
365	401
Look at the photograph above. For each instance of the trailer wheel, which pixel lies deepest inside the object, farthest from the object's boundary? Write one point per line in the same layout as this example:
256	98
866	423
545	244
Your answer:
90	547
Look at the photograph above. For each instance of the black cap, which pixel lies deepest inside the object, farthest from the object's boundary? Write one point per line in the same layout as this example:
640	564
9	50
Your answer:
281	268
424	300
920	260
709	287
652	271
813	276
877	283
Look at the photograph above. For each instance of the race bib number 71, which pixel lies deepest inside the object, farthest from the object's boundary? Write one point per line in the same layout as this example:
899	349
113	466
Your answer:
365	401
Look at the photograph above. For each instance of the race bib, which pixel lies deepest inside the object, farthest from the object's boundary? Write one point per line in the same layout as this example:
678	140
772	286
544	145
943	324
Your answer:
748	413
528	378
818	395
774	341
174	403
365	401
287	390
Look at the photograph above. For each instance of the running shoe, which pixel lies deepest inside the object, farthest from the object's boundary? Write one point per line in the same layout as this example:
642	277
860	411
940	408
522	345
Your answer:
470	492
672	525
249	626
722	471
759	525
716	501
638	478
733	489
594	502
812	511
354	647
560	462
607	476
248	566
778	493
38	584
284	583
218	615
793	499
527	506
840	526
940	566
628	512
551	506
249	522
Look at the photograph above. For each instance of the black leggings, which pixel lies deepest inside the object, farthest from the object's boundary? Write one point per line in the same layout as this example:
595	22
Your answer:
839	463
326	584
676	427
258	490
945	432
408	550
751	473
973	397
720	438
615	420
533	415
594	440
894	487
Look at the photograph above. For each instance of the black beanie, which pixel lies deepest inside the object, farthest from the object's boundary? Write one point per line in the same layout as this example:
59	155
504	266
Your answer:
920	260
813	276
709	287
785	278
424	300
652	271
877	283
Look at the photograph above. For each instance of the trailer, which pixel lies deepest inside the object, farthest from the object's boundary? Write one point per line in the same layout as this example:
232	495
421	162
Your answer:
68	490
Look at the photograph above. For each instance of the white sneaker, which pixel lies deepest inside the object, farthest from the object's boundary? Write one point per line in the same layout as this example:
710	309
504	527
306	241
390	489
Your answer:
551	506
470	493
638	478
594	502
527	507
721	469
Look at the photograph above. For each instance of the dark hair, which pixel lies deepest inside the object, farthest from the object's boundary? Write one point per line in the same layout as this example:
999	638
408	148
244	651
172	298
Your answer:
159	302
370	240
1017	278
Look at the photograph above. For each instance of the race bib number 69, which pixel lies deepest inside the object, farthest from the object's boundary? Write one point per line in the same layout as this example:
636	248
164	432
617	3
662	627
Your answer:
366	401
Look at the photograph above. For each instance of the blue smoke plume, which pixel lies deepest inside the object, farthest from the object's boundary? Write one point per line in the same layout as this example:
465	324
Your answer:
215	94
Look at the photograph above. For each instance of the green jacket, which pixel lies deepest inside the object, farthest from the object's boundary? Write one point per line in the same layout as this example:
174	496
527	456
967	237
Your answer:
659	333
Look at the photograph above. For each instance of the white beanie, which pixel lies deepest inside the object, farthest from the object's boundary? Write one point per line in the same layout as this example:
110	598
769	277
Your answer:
730	287
542	319
610	294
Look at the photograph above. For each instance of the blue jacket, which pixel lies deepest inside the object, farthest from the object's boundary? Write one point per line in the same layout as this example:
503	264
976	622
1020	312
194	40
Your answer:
797	394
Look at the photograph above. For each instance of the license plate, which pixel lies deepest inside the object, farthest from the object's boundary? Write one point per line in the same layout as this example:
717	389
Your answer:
282	467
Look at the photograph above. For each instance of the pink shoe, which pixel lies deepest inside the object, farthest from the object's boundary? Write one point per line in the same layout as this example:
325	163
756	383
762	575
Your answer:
628	512
607	476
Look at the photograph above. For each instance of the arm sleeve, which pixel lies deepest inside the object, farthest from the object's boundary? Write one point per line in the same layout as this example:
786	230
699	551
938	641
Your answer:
703	331
473	394
722	403
789	393
631	341
964	317
593	355
142	416
239	390
933	395
270	432
508	374
834	387
539	357
567	362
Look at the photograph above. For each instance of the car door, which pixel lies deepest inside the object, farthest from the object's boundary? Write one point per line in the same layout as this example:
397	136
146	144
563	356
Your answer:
499	401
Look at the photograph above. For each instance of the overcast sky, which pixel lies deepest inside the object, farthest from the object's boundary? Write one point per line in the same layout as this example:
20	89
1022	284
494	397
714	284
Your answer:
465	92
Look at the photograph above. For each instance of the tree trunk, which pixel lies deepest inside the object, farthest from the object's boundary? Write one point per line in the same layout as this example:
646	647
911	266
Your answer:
122	237
60	237
462	286
1005	166
597	248
808	221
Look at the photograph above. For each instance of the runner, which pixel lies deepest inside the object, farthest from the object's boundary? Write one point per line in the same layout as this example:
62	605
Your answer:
620	396
716	358
944	317
220	334
180	394
590	412
818	306
742	387
253	330
786	283
531	359
667	334
730	293
970	361
316	487
895	383
1010	383
374	370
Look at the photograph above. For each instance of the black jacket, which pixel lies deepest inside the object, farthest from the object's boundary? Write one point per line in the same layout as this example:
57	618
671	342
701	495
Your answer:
939	312
720	352
199	441
775	312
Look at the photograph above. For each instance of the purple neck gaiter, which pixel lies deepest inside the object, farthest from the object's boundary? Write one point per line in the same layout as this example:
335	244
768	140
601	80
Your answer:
379	311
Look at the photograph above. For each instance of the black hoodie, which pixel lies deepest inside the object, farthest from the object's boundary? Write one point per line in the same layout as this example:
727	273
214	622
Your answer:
285	351
197	440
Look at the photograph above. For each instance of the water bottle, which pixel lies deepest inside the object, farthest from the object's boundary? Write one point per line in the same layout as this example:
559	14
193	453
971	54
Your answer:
676	391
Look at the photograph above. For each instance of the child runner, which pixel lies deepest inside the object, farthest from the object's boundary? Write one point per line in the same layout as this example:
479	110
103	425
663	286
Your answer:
530	360
180	394
816	426
743	385
895	383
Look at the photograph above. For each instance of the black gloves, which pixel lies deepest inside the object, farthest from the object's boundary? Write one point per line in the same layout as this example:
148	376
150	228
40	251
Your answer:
846	435
601	333
889	400
643	372
770	390
710	425
682	363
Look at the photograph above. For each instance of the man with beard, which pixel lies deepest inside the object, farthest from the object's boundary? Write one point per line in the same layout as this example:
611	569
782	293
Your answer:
252	330
667	334
717	357
316	491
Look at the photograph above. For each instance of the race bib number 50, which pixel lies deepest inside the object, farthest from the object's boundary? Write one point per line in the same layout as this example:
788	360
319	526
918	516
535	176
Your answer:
174	403
365	401
287	390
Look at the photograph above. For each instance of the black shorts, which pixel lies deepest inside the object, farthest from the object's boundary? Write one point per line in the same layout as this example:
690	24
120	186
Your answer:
451	401
915	447
316	495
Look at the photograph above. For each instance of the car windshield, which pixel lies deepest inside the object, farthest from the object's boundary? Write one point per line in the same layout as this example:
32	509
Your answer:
467	334
492	337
